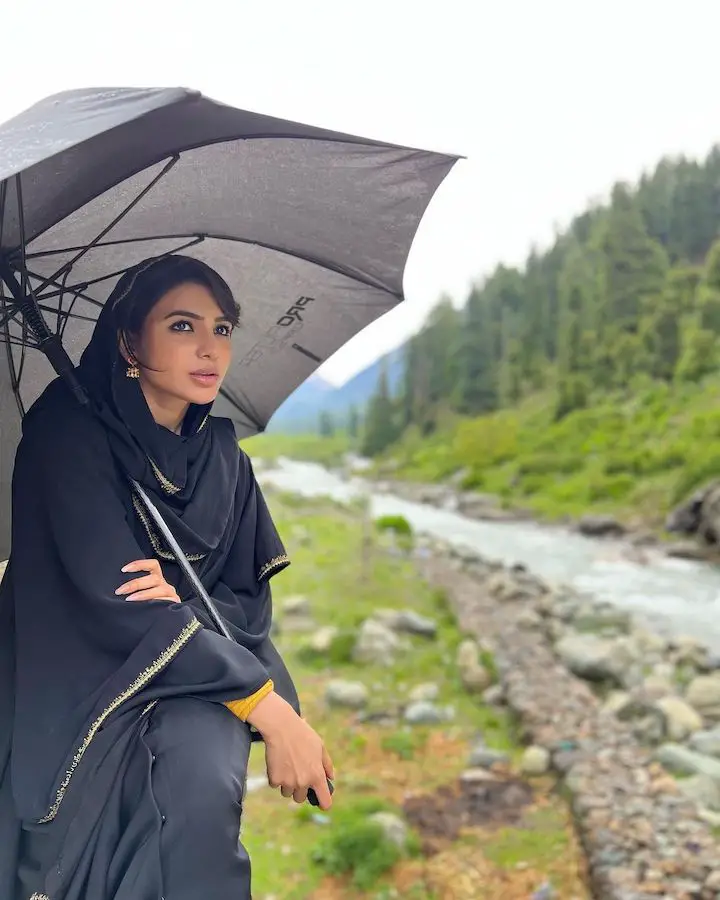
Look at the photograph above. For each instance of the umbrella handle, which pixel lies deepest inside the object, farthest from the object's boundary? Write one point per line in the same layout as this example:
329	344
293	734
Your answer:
183	562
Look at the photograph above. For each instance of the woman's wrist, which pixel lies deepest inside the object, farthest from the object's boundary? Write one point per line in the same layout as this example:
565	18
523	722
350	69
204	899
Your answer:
266	712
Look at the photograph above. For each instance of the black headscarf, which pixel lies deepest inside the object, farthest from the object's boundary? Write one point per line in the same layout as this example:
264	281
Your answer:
190	476
85	658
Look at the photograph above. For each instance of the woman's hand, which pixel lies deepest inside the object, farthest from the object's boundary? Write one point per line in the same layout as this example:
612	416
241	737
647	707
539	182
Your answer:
295	755
151	586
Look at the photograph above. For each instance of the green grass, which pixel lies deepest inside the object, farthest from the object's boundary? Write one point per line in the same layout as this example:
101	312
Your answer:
293	849
632	456
328	451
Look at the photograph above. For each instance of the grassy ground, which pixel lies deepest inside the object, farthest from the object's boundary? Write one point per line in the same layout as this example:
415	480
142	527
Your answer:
378	766
310	447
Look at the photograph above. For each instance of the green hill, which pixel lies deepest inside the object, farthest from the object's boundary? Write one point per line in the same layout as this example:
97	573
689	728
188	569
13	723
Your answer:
587	378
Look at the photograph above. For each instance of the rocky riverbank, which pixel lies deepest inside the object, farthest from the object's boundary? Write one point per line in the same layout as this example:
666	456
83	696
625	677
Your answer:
613	710
636	536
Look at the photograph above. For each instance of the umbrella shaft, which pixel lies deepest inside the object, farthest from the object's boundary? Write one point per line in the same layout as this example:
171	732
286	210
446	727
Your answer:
48	342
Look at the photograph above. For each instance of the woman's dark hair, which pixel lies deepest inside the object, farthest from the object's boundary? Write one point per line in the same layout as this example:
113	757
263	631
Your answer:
141	287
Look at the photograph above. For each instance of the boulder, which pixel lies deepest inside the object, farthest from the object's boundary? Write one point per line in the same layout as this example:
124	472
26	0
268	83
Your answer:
535	761
598	659
703	694
600	526
349	694
297	605
706	742
474	676
681	720
684	761
376	643
393	827
424	692
699	514
423	712
322	640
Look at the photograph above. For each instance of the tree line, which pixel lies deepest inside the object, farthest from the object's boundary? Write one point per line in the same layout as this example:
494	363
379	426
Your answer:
628	294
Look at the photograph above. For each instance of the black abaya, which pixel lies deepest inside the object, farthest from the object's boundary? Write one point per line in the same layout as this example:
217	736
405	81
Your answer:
93	686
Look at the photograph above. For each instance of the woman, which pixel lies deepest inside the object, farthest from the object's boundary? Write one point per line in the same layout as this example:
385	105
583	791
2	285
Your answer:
125	718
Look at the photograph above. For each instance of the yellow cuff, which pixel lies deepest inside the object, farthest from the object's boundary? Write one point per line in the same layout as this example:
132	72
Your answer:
243	708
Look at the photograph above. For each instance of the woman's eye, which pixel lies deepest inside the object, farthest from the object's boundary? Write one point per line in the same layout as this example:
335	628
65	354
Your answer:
224	330
182	325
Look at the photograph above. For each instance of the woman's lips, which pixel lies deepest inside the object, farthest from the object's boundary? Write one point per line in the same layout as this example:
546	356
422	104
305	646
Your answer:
207	379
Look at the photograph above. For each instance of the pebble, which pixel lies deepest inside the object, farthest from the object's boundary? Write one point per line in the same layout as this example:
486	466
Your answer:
633	820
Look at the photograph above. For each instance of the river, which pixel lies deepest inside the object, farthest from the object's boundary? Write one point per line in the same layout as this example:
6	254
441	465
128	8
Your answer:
672	596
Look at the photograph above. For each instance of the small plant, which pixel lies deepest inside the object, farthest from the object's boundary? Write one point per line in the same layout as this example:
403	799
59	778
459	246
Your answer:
401	743
356	846
398	524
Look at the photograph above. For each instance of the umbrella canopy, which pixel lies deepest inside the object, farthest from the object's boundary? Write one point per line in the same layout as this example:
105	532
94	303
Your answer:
311	228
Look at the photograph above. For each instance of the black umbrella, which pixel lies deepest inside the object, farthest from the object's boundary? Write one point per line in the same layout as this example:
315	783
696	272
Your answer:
311	228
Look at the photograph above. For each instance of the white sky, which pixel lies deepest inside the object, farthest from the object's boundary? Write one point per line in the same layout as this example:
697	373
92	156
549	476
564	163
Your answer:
550	100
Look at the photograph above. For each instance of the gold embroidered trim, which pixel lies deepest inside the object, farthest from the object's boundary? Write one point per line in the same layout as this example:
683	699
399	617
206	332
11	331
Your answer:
154	537
272	564
165	482
143	678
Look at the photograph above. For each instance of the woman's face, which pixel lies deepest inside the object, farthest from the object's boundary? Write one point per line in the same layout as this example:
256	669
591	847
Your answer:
185	349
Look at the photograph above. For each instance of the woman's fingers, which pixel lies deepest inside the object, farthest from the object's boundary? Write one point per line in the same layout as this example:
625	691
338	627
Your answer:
299	795
323	792
328	765
287	792
140	584
160	592
143	565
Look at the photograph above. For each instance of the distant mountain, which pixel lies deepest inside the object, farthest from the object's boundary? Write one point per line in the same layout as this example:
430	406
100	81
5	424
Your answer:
301	411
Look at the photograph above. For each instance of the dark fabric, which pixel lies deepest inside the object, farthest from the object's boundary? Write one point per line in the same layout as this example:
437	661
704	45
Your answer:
171	824
88	662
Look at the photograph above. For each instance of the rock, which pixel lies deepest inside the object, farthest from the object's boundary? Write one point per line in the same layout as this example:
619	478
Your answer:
485	757
686	550
529	619
597	659
474	676
424	713
600	526
703	694
477	776
681	719
535	761
322	640
687	651
706	742
649	723
394	829
351	694
376	643
616	701
656	687
684	761
699	514
602	619
424	692
494	695
297	605
513	586
413	623
702	790
544	892
712	882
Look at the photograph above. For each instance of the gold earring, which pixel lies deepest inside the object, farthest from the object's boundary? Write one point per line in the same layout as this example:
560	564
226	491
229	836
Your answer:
132	370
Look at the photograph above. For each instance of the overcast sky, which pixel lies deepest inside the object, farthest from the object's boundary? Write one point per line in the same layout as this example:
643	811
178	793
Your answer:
550	101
